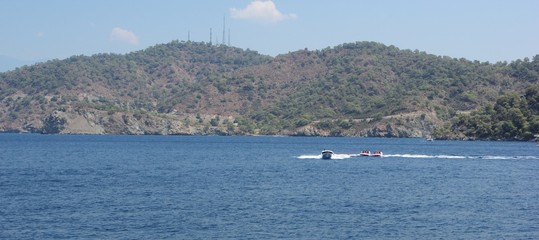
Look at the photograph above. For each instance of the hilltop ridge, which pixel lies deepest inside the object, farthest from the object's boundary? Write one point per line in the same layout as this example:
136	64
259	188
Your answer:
353	89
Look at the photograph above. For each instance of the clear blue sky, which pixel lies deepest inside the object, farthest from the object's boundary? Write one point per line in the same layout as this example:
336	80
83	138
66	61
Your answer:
484	30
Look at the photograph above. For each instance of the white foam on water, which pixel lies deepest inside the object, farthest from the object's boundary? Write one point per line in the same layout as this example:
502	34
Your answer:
508	157
408	155
425	156
335	156
445	156
449	156
441	156
310	157
340	156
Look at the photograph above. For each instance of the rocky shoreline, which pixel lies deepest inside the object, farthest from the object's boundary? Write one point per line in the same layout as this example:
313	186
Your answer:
84	121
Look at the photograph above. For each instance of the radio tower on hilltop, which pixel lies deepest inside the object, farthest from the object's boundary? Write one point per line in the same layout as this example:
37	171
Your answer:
223	30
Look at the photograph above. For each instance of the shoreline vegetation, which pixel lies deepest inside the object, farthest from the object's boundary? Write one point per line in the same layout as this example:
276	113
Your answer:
362	89
535	139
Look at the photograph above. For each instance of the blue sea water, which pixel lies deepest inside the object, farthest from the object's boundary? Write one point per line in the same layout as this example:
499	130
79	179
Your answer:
190	187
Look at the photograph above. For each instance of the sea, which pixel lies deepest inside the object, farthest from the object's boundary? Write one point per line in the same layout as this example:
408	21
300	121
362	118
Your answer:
224	187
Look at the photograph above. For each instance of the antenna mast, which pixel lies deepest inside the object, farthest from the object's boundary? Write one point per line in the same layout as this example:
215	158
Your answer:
210	36
223	30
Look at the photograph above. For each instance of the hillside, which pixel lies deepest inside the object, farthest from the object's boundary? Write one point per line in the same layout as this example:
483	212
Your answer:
355	89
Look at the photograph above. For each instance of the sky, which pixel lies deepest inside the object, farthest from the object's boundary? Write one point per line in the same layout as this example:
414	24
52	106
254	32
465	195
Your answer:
483	30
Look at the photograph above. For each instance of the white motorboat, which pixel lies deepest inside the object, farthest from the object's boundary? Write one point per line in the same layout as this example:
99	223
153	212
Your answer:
327	154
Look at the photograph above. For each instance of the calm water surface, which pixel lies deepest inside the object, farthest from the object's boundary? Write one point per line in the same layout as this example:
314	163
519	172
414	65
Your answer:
183	187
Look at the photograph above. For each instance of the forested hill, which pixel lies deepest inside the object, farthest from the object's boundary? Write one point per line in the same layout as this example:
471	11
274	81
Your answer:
355	89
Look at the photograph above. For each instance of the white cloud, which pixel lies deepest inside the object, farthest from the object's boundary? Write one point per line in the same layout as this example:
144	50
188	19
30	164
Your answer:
119	34
40	34
261	11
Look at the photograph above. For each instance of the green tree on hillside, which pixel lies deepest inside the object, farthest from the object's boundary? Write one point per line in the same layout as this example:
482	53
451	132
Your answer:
512	117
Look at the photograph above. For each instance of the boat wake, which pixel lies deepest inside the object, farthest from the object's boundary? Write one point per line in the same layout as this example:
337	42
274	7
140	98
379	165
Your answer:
424	156
336	156
488	157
